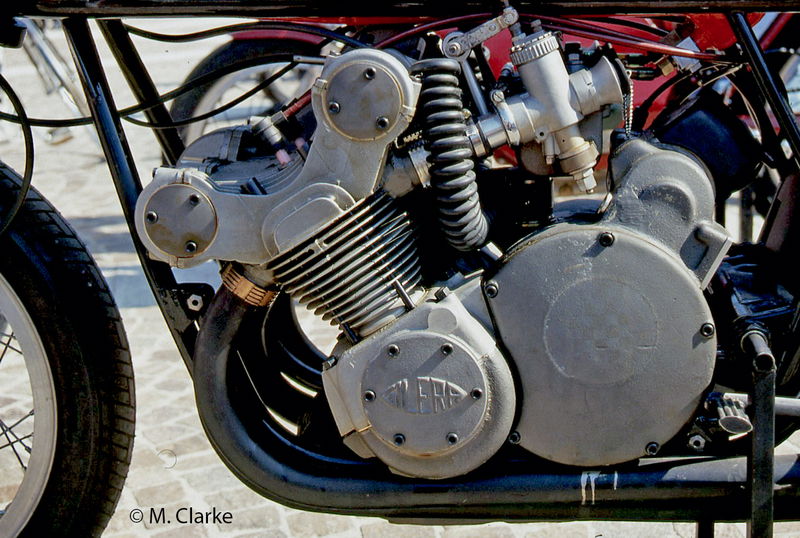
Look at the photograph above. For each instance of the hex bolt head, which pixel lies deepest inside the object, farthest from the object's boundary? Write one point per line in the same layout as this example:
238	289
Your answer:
514	438
194	303
447	348
151	217
382	122
452	438
369	73
369	396
476	393
393	350
697	442
194	199
190	247
652	448
491	289
606	239
707	330
399	439
334	107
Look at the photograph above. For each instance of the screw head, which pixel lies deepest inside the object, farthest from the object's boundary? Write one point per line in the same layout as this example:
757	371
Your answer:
452	438
497	96
707	330
697	442
514	438
454	48
151	217
382	122
491	289
652	448
334	107
447	348
393	350
190	247
369	396
369	73
194	199
399	439
476	393
606	239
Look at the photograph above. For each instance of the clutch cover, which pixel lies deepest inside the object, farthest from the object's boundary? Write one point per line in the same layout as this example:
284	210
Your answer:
604	328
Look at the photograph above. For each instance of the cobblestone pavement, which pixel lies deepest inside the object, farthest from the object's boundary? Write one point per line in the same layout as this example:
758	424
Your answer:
173	464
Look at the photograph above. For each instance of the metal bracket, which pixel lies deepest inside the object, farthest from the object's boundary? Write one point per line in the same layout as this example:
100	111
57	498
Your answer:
466	42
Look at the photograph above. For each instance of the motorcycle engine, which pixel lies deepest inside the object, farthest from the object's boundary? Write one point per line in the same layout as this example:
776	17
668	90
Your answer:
589	342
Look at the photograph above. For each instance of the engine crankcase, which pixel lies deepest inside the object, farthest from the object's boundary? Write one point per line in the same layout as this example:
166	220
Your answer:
432	396
606	322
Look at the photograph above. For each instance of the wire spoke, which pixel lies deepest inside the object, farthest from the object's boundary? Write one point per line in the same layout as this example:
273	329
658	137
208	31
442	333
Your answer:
8	432
6	345
20	441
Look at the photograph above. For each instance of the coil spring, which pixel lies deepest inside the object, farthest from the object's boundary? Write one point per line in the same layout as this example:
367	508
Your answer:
445	135
360	272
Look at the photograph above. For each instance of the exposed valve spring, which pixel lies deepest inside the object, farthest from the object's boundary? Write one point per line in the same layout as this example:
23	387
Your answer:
361	272
445	136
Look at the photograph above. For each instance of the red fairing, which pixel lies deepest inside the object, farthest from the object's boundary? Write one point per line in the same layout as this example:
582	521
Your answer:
712	31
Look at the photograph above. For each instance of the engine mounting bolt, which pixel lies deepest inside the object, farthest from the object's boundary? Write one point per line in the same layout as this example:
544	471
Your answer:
707	330
491	289
194	199
333	107
382	122
606	239
514	438
476	393
152	217
399	439
447	348
191	247
497	96
369	73
652	448
454	48
452	438
195	303
369	396
697	442
393	350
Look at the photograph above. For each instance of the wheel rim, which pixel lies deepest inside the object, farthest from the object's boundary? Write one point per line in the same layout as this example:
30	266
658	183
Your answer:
27	439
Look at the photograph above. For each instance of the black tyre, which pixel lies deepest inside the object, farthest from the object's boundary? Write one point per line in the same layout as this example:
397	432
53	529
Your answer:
254	60
66	382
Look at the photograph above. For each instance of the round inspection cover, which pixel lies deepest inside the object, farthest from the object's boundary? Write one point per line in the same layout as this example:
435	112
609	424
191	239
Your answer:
180	220
606	340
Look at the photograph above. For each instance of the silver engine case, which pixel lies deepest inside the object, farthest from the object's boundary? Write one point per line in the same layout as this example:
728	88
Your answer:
606	323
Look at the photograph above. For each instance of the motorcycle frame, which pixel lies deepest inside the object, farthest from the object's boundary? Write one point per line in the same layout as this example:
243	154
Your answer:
757	489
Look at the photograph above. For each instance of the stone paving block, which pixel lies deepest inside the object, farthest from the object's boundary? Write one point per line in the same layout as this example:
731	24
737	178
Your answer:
491	530
240	498
171	492
266	518
558	530
384	529
210	480
308	524
184	531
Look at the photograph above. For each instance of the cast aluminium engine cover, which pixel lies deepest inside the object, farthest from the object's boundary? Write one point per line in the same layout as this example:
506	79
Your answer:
605	332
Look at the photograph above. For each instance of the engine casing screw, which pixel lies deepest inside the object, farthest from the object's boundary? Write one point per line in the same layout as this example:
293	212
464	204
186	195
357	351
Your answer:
447	348
707	330
369	73
369	396
399	439
697	442
190	247
476	393
606	239
452	438
514	438
334	107
152	217
194	199
652	448
382	122
393	350
491	289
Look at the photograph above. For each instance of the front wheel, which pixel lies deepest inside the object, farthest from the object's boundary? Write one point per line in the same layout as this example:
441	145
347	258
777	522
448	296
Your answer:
66	383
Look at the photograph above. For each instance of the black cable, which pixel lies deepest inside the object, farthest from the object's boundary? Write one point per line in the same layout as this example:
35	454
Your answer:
230	104
201	80
27	136
262	25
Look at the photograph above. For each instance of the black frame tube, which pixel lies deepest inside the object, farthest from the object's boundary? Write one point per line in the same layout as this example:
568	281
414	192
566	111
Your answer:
126	180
